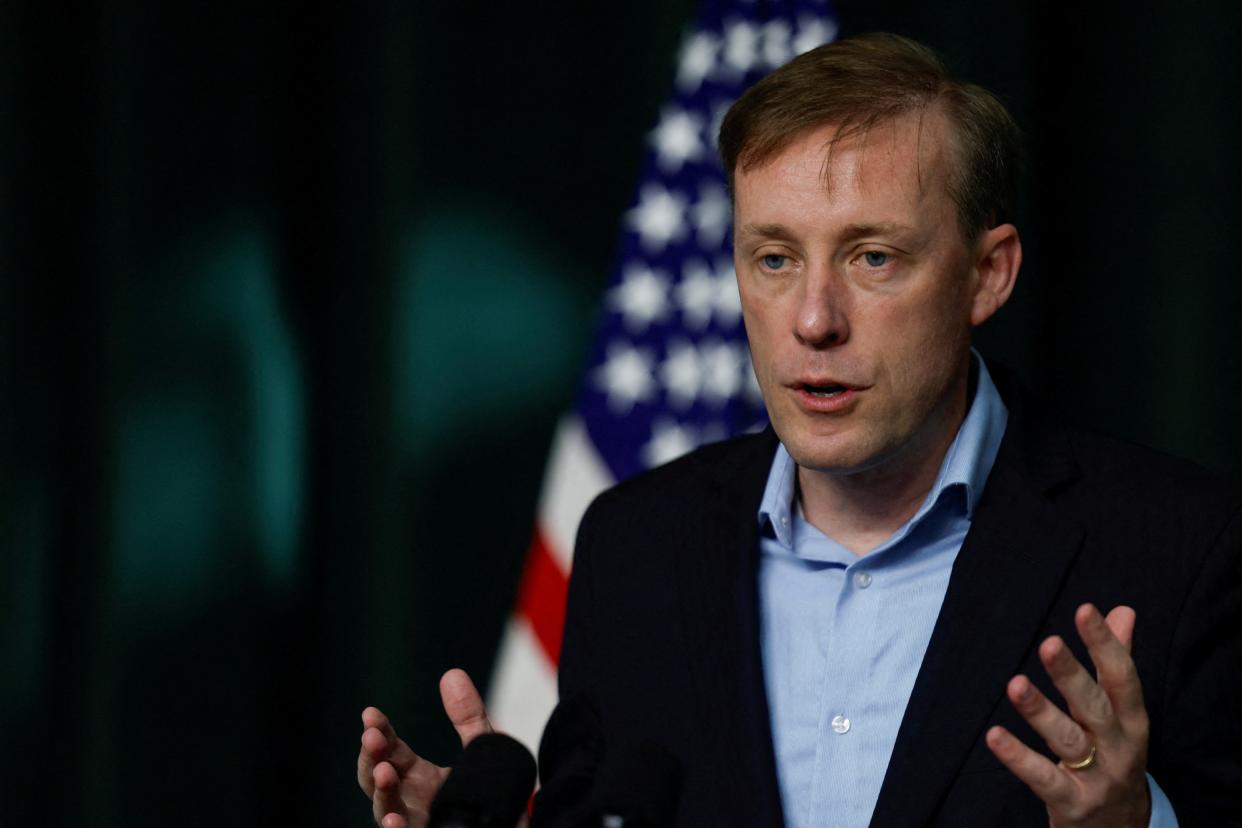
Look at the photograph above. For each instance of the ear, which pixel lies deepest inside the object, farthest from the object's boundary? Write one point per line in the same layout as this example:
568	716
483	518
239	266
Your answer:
998	255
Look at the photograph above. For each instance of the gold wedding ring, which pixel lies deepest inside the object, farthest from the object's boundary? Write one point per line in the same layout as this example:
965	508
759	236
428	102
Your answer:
1081	764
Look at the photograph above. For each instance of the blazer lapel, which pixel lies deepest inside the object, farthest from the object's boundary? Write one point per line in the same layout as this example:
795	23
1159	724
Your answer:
717	569
1006	576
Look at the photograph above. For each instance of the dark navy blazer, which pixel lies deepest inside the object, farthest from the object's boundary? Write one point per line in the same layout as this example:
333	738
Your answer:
662	637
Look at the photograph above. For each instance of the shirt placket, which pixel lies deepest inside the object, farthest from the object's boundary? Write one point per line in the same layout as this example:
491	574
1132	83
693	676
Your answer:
844	733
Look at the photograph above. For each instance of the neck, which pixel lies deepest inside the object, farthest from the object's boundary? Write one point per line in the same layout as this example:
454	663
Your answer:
863	508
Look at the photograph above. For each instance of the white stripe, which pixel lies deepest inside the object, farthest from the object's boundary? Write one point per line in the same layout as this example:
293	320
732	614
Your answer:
576	474
523	690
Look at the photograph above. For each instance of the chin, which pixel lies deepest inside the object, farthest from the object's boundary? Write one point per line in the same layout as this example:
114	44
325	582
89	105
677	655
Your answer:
832	455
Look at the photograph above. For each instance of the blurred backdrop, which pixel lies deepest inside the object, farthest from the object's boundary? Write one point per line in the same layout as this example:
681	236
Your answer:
291	295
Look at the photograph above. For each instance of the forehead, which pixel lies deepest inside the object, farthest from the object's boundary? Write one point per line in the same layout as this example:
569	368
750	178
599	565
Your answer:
899	162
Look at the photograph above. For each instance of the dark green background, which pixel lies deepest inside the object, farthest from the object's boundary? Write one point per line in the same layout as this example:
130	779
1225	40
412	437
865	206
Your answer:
292	294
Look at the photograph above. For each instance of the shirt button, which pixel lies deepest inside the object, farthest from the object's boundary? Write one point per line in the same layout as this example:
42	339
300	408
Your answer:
840	724
862	580
784	520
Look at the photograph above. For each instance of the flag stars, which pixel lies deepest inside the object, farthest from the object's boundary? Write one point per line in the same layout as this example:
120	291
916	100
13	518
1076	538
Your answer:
681	374
722	371
669	440
714	371
625	377
741	46
776	46
641	298
677	139
696	294
659	218
675	364
698	58
703	293
710	215
812	32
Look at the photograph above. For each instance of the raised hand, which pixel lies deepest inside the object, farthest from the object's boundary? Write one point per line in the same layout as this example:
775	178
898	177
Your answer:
1101	778
400	783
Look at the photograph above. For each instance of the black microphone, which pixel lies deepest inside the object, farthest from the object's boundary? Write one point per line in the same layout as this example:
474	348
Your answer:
488	788
638	787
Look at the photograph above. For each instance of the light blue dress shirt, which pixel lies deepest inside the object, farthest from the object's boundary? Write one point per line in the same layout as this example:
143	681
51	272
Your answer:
843	635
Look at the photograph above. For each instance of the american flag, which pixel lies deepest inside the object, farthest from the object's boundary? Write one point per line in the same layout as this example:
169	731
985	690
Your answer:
670	369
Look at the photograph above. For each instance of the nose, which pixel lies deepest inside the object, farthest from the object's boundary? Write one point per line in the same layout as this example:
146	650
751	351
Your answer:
822	320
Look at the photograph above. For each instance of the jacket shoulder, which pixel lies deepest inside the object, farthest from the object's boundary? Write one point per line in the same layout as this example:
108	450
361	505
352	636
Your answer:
706	466
1126	472
733	468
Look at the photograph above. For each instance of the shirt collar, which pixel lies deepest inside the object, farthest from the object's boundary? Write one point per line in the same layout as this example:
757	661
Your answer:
966	464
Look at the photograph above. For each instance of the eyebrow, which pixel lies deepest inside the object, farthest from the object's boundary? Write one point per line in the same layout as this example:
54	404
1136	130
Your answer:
767	231
850	233
883	228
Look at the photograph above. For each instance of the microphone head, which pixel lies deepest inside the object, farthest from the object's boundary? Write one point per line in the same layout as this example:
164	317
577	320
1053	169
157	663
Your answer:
640	784
488	788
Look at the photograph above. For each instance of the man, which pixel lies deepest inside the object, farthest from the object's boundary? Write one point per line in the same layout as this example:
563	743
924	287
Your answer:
879	610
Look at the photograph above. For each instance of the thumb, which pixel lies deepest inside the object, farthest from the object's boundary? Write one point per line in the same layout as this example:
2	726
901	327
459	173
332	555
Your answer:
1120	621
464	706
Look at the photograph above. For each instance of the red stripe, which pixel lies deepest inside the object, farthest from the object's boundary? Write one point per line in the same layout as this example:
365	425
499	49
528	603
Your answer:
541	597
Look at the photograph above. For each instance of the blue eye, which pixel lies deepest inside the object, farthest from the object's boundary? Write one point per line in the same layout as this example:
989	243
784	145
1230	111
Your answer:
875	258
772	261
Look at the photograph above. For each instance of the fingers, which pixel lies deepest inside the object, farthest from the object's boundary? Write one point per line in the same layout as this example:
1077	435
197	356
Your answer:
464	705
403	800
374	749
380	743
387	805
1088	704
1108	644
1106	718
1121	621
1109	706
400	783
1044	778
1064	736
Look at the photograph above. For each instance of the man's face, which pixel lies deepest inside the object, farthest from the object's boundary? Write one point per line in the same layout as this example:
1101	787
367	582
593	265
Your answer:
857	292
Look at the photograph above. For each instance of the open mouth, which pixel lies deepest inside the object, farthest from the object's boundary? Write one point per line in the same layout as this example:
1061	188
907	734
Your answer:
825	391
